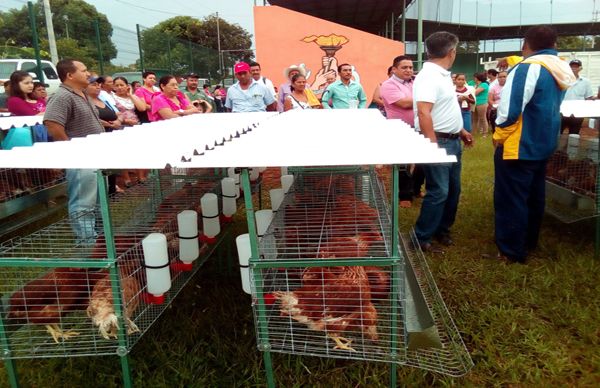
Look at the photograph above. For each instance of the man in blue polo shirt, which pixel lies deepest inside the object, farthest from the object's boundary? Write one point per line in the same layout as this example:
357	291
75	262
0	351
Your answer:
248	95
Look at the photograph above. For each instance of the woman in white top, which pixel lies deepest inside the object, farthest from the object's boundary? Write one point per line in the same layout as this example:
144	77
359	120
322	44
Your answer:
297	99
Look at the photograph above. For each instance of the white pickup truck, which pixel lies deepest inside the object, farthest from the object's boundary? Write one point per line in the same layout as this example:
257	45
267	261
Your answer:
8	66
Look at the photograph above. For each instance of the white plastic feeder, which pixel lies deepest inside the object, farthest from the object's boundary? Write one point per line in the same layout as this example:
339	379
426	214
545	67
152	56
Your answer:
276	198
286	182
210	218
189	247
242	243
263	220
228	192
156	262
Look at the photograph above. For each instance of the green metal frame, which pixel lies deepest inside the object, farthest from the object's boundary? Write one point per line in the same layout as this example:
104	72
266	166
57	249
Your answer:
114	278
396	261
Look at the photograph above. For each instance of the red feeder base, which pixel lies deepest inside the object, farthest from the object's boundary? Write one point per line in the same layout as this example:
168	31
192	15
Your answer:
269	299
207	240
153	299
225	219
181	266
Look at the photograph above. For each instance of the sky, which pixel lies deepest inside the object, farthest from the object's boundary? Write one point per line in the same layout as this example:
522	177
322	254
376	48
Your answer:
124	14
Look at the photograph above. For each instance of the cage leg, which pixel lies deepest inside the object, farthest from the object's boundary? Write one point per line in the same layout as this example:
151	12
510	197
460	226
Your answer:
11	369
393	374
127	382
269	369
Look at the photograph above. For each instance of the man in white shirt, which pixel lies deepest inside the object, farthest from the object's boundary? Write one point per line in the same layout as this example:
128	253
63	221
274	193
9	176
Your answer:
581	90
438	117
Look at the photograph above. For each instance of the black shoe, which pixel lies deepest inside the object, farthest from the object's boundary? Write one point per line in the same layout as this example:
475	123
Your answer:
445	239
427	247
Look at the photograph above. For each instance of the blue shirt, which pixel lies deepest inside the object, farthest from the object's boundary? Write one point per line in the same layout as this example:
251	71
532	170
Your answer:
341	95
254	99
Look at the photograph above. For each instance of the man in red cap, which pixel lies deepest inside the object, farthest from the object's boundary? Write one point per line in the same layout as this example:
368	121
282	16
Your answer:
247	95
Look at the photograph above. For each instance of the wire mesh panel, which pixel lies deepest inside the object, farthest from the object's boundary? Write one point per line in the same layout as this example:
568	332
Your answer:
341	311
56	293
571	174
18	182
330	215
334	311
372	306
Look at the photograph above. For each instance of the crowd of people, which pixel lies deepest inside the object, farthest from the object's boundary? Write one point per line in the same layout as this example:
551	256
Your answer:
519	107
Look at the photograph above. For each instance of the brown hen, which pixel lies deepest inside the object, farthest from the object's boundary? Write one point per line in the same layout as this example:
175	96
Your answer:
46	300
335	300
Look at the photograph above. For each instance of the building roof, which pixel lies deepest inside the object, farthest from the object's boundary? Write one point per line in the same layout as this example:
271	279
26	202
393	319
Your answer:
372	15
365	15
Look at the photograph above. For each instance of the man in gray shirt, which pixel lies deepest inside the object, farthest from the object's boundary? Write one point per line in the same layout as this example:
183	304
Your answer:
69	114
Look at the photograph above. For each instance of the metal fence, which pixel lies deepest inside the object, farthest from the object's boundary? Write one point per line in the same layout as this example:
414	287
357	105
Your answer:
138	48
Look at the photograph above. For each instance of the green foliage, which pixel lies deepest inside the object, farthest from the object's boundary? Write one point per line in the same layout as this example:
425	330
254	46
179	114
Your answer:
575	43
76	15
183	44
470	47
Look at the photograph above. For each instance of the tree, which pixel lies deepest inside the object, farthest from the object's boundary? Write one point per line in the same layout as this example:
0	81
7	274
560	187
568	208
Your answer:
76	15
576	43
471	47
183	44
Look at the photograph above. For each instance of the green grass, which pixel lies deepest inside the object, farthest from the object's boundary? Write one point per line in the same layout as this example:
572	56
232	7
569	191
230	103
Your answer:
525	325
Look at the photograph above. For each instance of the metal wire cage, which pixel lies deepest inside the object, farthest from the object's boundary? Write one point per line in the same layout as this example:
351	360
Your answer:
15	183
572	178
63	297
333	286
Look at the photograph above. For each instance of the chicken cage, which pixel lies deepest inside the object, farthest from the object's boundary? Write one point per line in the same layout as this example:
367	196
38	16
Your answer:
572	179
21	189
62	297
333	278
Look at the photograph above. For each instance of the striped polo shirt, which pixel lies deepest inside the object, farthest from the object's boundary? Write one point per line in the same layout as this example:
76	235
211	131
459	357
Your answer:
75	113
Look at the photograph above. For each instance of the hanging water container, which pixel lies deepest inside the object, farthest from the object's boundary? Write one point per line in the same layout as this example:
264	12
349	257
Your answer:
276	198
242	243
210	218
156	262
236	177
228	192
263	220
189	249
286	182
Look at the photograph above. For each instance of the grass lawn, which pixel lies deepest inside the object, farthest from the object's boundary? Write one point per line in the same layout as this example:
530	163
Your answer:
525	325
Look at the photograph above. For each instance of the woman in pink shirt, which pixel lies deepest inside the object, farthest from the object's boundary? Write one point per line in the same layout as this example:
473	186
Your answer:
146	92
21	101
494	97
171	102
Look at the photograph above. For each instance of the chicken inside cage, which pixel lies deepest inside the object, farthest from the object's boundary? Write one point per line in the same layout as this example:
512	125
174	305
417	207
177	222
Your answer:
15	183
328	218
48	299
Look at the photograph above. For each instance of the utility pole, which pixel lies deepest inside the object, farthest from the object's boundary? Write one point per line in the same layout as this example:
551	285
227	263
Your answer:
50	28
219	48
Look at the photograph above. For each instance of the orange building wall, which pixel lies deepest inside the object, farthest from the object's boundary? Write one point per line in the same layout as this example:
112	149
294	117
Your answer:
279	35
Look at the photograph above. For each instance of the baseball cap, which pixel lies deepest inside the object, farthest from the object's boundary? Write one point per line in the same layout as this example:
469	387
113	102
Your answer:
575	62
240	67
192	75
93	79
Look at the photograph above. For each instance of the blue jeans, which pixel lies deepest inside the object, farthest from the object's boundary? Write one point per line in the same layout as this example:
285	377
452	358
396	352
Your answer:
442	185
82	189
466	115
519	200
